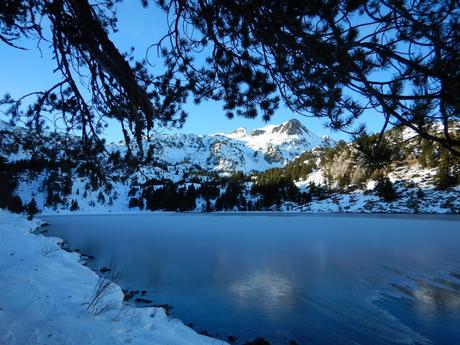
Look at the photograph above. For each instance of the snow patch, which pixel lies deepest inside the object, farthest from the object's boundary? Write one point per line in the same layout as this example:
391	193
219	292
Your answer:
43	294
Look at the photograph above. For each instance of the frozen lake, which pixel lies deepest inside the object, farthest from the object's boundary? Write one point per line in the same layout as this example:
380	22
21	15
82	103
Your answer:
318	279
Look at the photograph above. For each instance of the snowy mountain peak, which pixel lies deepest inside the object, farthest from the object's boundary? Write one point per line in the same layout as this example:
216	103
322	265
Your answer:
288	134
240	150
177	154
291	127
238	133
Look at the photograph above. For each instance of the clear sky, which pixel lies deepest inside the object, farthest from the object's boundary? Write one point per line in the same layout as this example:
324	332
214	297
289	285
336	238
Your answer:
22	72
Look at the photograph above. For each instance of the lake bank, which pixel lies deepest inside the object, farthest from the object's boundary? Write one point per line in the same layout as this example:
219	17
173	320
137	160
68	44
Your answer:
283	276
45	294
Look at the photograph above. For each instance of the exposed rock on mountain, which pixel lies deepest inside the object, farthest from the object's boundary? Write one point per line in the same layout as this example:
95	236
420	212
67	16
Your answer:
278	167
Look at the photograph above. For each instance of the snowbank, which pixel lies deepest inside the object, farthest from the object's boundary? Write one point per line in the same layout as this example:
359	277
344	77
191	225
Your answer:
44	292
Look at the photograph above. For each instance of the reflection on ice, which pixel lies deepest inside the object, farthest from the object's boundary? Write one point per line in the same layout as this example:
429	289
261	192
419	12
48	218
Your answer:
431	297
266	289
429	294
312	278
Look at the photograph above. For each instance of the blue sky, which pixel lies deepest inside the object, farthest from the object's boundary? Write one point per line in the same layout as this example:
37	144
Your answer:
22	72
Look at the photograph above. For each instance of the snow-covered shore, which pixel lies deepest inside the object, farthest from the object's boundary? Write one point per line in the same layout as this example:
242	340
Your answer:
44	292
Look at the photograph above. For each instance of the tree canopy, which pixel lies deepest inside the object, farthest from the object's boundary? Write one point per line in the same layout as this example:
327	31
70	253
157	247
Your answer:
326	58
334	59
96	79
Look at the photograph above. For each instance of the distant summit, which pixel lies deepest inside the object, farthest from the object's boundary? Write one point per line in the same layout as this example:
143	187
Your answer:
187	172
238	133
287	139
264	148
178	154
291	127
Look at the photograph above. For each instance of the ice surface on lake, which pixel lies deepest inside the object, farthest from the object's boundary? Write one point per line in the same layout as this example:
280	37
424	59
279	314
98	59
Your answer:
316	279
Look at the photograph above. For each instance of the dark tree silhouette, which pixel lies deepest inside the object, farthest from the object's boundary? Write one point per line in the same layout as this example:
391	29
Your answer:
331	59
370	152
96	79
8	183
385	189
326	58
31	209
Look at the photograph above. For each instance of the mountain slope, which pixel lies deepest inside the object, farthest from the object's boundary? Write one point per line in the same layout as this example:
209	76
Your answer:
278	167
225	153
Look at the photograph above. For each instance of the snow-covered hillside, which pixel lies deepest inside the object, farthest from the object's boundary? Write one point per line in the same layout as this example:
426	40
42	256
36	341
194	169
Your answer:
46	294
261	149
414	186
277	143
190	172
173	155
